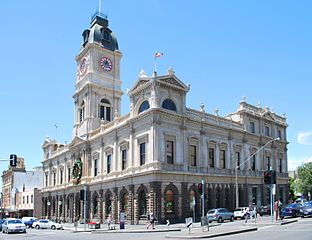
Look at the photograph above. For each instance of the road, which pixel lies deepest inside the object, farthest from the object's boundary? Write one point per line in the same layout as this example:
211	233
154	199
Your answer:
300	230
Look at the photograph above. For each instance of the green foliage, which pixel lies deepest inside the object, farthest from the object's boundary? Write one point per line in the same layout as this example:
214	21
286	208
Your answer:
305	178
292	188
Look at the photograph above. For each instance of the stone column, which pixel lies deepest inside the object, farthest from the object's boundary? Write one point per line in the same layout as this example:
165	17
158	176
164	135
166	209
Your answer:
184	199
115	211
131	204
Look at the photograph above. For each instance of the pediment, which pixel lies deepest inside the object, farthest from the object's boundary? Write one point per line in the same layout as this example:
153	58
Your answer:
174	82
269	116
77	140
139	83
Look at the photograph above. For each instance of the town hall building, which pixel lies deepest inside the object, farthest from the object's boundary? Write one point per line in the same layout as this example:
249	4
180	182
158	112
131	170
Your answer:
154	157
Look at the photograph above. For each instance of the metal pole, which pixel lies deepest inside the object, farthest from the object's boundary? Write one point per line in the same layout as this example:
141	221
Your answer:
203	202
236	188
271	202
84	205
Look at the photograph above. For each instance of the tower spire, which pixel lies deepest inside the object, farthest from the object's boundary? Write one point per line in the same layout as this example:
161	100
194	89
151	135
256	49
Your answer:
100	4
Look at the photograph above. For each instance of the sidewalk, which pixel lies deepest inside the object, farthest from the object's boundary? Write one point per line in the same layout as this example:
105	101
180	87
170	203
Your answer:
180	231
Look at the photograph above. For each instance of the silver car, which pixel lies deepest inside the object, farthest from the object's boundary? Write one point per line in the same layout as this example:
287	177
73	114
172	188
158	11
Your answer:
219	215
46	223
13	225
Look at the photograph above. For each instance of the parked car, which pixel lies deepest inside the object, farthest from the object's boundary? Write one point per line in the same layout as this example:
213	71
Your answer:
291	210
14	225
240	212
264	210
29	222
1	222
220	214
45	223
306	209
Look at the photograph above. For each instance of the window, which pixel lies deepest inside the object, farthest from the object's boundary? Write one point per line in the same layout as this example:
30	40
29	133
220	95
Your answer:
267	131
61	176
68	173
238	160
105	110
144	106
211	159
142	154
54	178
268	163
169	152
109	160
252	127
253	163
222	159
106	35
95	167
81	112
27	201
46	179
169	104
280	165
279	134
123	159
32	199
23	199
193	155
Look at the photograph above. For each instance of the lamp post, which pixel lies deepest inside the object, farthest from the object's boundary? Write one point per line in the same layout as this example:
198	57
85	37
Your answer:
237	167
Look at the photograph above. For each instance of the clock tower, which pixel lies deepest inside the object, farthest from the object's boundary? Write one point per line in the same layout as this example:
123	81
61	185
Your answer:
98	86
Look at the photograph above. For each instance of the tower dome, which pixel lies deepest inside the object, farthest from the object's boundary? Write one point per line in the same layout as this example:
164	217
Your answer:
99	33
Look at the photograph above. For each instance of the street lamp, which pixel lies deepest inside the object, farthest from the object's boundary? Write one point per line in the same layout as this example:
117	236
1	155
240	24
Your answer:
237	167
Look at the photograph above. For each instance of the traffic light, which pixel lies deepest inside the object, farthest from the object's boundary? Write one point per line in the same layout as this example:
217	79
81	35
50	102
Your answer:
13	160
82	194
200	188
273	177
267	177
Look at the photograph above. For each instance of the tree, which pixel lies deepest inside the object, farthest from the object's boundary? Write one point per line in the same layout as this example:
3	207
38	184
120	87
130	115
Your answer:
292	189
305	178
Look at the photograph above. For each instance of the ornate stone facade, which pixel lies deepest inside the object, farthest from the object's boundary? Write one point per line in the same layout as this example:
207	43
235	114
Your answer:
153	158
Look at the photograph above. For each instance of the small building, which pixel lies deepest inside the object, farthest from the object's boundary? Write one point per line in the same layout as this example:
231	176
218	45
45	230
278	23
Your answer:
20	188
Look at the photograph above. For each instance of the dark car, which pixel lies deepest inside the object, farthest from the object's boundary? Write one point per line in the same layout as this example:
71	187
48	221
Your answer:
1	222
306	209
30	222
291	210
264	210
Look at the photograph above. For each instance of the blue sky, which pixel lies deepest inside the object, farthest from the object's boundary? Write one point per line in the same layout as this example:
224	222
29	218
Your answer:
224	49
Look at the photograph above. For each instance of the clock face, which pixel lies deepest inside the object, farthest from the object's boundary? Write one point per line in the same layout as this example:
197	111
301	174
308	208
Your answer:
106	64
83	66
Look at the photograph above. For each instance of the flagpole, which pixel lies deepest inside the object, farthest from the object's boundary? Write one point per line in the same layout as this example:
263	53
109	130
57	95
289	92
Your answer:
155	65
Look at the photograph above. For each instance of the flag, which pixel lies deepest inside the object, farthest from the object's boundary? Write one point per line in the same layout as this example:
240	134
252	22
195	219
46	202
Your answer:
158	54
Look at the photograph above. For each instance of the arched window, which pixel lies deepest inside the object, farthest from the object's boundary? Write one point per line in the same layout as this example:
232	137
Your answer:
108	204
124	202
81	112
142	203
169	201
105	110
192	199
144	106
169	104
